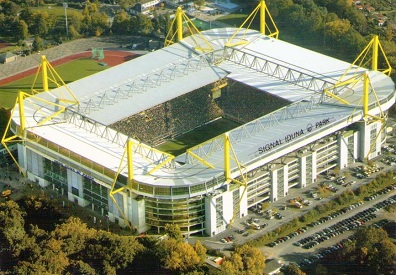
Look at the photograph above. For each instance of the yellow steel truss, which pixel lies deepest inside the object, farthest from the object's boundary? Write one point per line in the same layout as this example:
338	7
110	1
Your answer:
264	27
180	18
128	153
21	135
370	56
48	73
32	99
227	173
113	191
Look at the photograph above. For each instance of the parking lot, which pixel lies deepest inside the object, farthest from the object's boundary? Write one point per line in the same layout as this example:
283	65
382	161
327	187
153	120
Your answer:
282	211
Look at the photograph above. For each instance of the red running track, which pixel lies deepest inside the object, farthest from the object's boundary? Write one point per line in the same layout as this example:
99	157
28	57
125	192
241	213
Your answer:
112	58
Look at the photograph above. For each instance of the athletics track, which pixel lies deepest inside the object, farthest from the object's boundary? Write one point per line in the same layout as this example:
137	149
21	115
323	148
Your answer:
112	58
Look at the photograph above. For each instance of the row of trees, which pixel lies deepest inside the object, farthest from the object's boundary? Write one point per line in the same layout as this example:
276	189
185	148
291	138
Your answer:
335	25
22	21
370	252
332	24
32	243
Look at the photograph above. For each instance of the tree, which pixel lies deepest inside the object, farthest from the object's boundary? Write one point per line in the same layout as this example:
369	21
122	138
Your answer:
293	269
12	230
178	256
141	24
106	249
39	24
245	260
93	22
22	30
199	3
9	8
200	250
173	231
321	270
369	236
80	267
38	44
383	260
75	234
121	23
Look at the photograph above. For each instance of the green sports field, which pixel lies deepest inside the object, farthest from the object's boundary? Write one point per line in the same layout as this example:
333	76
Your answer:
69	72
183	142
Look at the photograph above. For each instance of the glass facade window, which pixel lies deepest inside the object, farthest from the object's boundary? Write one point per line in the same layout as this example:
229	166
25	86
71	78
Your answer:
197	188
55	174
188	214
308	169
146	188
75	191
95	193
281	182
162	191
351	146
219	211
235	201
180	191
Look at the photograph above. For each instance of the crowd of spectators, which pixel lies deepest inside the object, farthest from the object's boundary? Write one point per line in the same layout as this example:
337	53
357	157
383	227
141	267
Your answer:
237	102
242	103
171	118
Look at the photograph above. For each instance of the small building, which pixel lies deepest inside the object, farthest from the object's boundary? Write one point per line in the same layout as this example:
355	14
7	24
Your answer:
7	57
144	6
272	267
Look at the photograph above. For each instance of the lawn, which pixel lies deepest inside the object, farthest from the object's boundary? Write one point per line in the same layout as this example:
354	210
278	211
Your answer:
233	19
69	72
181	143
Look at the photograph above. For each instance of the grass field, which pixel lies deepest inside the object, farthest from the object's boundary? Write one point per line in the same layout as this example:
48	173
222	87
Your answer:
183	142
69	72
233	19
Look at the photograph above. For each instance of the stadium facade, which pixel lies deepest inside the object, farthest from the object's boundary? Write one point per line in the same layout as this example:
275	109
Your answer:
333	113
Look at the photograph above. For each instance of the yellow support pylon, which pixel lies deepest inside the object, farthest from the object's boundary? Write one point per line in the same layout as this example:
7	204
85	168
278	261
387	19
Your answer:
369	59
44	65
264	26
179	19
227	173
49	74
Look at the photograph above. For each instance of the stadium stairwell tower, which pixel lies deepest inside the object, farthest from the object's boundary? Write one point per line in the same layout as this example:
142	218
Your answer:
373	123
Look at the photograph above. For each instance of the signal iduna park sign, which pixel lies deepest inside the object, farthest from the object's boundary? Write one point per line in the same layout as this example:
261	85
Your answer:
293	135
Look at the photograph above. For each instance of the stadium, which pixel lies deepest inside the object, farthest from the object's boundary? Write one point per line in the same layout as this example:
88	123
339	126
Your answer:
286	115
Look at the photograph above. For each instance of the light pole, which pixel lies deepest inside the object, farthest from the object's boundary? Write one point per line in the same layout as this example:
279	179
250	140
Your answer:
107	218
67	28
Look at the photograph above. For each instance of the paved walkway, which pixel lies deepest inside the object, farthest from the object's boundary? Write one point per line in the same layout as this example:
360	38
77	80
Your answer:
57	52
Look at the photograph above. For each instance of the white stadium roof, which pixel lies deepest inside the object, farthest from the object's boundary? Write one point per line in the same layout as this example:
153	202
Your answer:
159	76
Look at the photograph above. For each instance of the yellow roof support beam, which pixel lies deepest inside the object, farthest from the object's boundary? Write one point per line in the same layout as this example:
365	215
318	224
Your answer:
191	153
49	74
365	95
264	26
22	100
227	144
113	191
369	58
227	173
180	18
44	65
